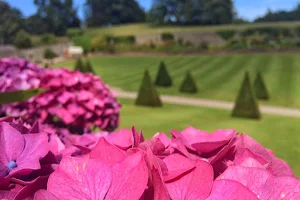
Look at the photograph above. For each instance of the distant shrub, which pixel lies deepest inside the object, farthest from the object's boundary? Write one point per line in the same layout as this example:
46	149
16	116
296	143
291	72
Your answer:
99	43
83	41
48	38
74	32
246	104
147	95
297	30
237	44
167	37
124	39
203	45
188	85
23	40
226	34
49	54
273	32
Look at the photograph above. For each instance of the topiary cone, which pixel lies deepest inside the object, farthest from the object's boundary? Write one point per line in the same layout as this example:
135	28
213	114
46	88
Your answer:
246	104
79	65
260	88
163	78
147	95
188	85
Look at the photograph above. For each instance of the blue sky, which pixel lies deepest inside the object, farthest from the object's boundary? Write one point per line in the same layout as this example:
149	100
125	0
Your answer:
248	9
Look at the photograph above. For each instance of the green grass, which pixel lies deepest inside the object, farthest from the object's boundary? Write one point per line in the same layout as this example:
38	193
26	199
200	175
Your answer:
140	29
281	134
217	76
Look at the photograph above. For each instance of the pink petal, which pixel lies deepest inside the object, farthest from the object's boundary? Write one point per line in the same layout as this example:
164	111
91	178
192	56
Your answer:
122	138
36	147
249	159
230	190
44	195
12	143
80	178
257	180
177	165
130	178
106	152
285	188
195	185
163	138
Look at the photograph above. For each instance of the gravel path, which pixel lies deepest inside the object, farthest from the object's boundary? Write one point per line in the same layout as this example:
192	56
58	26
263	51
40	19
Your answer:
225	105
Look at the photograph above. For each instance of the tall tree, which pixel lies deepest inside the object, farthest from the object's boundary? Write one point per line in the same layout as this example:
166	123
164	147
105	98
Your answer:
58	15
12	22
192	11
281	15
106	12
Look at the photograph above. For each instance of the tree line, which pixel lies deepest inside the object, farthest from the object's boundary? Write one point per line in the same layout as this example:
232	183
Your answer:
57	16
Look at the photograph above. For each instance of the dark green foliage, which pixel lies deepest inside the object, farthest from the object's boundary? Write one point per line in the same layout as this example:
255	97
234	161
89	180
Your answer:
260	88
89	67
49	54
23	40
107	12
11	22
167	37
84	66
18	96
226	34
124	39
188	85
163	78
190	12
270	16
74	32
246	105
83	41
48	39
79	65
148	96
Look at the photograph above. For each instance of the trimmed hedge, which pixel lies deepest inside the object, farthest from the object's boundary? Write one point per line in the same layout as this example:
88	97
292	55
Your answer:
188	85
49	54
226	34
260	87
147	95
84	66
246	105
167	37
163	78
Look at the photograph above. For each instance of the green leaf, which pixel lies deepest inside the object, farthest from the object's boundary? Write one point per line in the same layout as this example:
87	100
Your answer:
18	96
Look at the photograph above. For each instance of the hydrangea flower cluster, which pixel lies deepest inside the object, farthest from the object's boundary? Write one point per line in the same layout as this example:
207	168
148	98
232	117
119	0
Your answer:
72	100
193	165
18	74
75	101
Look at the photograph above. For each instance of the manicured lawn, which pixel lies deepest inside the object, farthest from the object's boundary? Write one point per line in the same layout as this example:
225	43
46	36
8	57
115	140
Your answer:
218	76
281	134
139	29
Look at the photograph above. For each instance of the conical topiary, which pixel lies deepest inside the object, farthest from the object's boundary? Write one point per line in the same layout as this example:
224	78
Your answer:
246	104
84	66
89	67
260	88
163	78
148	96
79	65
188	85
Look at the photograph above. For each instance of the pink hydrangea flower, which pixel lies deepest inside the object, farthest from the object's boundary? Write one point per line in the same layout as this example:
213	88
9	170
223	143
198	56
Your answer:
75	101
193	165
18	74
